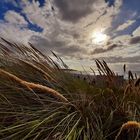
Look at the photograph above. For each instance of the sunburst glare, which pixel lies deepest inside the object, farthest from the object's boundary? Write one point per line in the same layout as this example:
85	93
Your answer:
99	38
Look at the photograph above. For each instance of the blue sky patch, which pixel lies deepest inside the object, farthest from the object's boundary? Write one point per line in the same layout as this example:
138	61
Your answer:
6	6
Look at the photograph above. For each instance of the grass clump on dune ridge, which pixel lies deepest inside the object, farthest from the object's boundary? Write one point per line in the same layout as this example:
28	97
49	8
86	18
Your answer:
39	101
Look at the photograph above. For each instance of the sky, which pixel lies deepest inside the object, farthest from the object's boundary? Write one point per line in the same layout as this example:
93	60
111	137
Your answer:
79	31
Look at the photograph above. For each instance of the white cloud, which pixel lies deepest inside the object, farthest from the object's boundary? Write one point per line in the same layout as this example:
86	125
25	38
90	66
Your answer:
37	15
136	32
125	25
13	17
124	39
15	33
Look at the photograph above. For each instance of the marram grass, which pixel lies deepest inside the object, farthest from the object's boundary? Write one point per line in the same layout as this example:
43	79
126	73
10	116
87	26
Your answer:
33	86
129	130
39	101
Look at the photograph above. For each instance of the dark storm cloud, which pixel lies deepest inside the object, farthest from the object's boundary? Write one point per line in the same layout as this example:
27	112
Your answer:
98	50
73	10
76	35
109	47
61	47
44	43
71	50
135	40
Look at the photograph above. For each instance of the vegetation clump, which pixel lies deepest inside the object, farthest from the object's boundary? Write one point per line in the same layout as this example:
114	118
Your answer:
39	101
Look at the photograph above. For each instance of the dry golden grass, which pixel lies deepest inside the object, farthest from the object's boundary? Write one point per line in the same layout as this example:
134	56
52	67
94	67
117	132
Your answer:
33	86
46	75
129	131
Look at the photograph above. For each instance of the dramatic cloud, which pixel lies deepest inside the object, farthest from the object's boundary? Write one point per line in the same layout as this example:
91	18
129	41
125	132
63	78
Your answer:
60	46
67	27
108	48
129	11
15	32
35	14
136	32
125	25
13	17
135	40
121	59
73	10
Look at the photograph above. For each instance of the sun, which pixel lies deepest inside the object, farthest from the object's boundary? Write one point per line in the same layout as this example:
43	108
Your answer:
99	38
